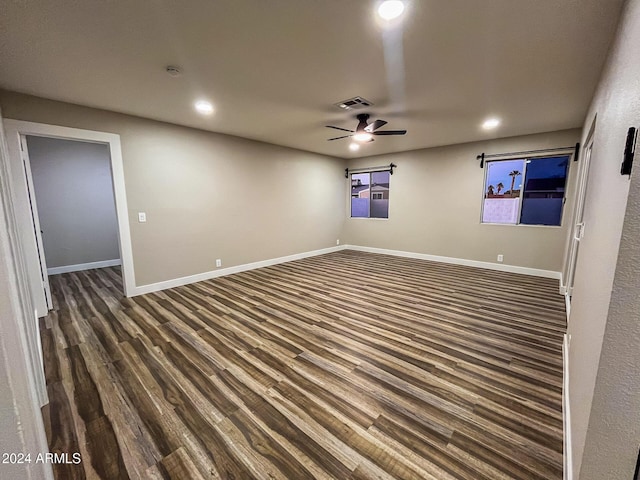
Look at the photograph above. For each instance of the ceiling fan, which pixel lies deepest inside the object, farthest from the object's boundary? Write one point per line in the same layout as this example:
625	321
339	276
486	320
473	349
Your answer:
365	132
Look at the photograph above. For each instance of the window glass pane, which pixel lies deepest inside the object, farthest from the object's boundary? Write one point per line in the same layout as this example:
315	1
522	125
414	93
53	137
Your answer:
359	194
544	191
380	195
502	191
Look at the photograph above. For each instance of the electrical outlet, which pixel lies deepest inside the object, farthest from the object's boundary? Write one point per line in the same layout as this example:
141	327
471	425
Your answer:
142	217
338	242
500	258
218	262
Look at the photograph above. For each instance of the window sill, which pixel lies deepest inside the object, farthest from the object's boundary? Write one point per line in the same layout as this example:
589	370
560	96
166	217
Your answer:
520	225
367	218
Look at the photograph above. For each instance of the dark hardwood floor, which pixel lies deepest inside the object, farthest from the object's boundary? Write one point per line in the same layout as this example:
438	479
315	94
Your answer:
344	366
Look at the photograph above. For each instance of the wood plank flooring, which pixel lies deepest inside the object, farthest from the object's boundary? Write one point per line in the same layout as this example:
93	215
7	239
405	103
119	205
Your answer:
343	366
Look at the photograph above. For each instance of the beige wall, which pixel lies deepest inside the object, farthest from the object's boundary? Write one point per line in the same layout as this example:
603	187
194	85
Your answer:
613	435
210	196
604	328
207	195
74	195
435	201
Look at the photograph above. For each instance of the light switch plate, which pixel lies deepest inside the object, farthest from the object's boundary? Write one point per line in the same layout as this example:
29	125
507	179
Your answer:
142	217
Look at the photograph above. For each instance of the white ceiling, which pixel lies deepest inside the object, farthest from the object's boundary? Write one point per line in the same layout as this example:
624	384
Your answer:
274	68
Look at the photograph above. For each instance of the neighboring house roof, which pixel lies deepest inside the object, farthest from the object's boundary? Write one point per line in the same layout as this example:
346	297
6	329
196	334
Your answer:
359	188
362	188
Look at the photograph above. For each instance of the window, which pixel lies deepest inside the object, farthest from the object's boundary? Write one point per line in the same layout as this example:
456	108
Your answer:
370	195
528	191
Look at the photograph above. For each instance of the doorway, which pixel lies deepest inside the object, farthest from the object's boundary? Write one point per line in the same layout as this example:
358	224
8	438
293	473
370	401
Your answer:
30	226
74	204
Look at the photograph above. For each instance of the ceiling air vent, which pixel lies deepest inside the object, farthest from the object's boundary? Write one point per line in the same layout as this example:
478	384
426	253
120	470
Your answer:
354	103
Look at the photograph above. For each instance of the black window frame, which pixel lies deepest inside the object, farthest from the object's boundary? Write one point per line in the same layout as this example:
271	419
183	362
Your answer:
371	184
525	161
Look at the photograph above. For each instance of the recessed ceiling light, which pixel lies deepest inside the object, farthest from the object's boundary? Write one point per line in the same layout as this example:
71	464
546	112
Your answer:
390	9
362	137
491	123
354	147
204	107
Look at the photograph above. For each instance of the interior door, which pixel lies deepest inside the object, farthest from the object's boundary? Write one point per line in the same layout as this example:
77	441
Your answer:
45	298
579	226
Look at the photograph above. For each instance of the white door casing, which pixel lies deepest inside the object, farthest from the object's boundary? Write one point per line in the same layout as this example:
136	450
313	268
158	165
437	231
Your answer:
28	387
27	226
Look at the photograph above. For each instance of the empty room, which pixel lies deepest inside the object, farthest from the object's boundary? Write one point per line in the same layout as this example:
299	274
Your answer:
376	239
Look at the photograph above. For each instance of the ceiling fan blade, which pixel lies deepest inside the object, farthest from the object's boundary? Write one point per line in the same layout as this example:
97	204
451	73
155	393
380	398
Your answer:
339	128
338	138
375	125
390	132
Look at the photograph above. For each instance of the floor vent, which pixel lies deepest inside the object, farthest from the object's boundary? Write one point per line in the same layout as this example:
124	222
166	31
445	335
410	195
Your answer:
354	103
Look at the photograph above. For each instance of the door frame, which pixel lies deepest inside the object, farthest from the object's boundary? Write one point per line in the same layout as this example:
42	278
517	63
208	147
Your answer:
26	360
35	219
576	230
15	130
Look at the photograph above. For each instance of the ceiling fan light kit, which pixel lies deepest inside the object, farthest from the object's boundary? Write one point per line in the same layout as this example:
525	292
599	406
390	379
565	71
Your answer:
363	137
365	132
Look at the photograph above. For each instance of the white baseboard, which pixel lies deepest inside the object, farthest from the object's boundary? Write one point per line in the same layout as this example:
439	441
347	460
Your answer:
462	261
566	411
83	266
177	282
